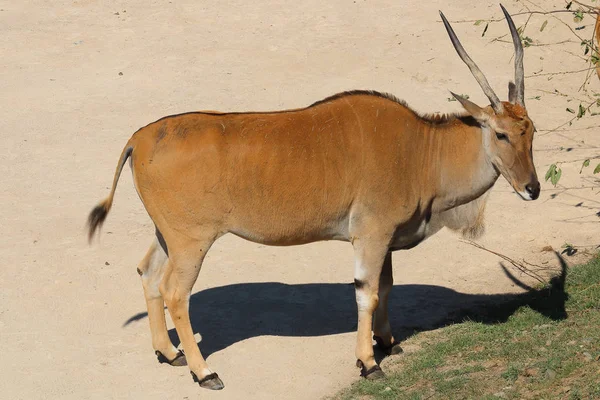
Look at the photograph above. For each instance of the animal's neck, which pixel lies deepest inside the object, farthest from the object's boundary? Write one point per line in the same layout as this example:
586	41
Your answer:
463	171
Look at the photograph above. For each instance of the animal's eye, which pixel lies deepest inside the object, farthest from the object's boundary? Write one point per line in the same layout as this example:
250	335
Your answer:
502	136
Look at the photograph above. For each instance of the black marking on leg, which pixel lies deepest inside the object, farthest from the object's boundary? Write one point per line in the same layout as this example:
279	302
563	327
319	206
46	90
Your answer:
139	271
206	378
374	372
161	241
210	381
365	373
164	360
358	284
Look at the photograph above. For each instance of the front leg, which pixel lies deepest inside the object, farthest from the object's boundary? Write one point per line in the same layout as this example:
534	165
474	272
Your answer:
370	255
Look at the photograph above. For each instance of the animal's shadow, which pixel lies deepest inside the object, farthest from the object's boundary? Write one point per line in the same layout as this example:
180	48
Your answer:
228	314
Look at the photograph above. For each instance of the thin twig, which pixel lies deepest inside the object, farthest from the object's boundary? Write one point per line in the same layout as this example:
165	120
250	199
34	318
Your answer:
590	61
539	44
518	265
462	21
555	92
561	73
570	130
569	121
592	9
577	160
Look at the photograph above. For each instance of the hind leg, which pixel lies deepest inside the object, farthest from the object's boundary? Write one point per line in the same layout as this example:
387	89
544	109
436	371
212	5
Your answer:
185	260
381	325
151	270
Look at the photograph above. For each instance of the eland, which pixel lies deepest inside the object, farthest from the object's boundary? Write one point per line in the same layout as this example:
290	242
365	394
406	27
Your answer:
359	166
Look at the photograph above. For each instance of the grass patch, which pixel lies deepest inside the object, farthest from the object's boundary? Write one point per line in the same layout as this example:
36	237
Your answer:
546	349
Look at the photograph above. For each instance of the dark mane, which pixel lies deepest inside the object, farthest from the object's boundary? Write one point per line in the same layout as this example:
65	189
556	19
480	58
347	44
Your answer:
359	93
439	119
432	118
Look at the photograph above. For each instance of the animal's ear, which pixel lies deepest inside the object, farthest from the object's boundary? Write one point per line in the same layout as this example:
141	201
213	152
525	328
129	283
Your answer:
512	92
473	109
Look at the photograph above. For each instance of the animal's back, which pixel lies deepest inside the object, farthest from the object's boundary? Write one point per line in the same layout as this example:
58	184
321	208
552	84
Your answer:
275	178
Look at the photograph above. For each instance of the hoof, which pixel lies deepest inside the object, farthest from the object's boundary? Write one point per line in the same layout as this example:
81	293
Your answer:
372	374
390	350
210	381
178	361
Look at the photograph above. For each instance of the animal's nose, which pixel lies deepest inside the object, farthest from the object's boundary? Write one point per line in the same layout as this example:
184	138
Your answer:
533	189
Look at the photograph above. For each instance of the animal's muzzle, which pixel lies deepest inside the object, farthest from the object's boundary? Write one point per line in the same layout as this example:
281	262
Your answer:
533	189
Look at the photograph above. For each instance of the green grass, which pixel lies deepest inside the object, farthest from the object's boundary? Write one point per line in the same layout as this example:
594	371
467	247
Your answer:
547	349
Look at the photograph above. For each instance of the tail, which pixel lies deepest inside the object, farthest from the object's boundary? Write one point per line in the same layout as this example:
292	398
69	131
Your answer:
99	213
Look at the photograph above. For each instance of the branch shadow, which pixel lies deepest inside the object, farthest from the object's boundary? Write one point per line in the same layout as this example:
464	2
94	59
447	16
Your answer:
229	314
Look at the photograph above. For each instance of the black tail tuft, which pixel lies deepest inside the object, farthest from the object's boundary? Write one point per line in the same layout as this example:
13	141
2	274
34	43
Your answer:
99	213
96	218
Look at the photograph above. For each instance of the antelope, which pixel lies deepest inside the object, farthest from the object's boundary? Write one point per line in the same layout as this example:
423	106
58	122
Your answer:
359	166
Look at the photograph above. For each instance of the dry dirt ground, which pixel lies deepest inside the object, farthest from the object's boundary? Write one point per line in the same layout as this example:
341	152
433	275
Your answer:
77	78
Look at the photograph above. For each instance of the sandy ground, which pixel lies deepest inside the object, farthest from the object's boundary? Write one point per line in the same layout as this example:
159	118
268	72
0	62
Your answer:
77	78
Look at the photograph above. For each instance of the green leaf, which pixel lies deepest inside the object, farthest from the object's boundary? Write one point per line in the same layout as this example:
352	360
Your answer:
556	177
478	22
544	25
597	169
553	174
581	111
485	29
570	110
550	172
578	16
586	163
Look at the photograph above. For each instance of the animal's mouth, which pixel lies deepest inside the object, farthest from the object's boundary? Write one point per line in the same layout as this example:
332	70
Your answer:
524	195
528	192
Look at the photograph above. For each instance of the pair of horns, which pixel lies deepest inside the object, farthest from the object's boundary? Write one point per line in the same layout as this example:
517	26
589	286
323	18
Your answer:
487	89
